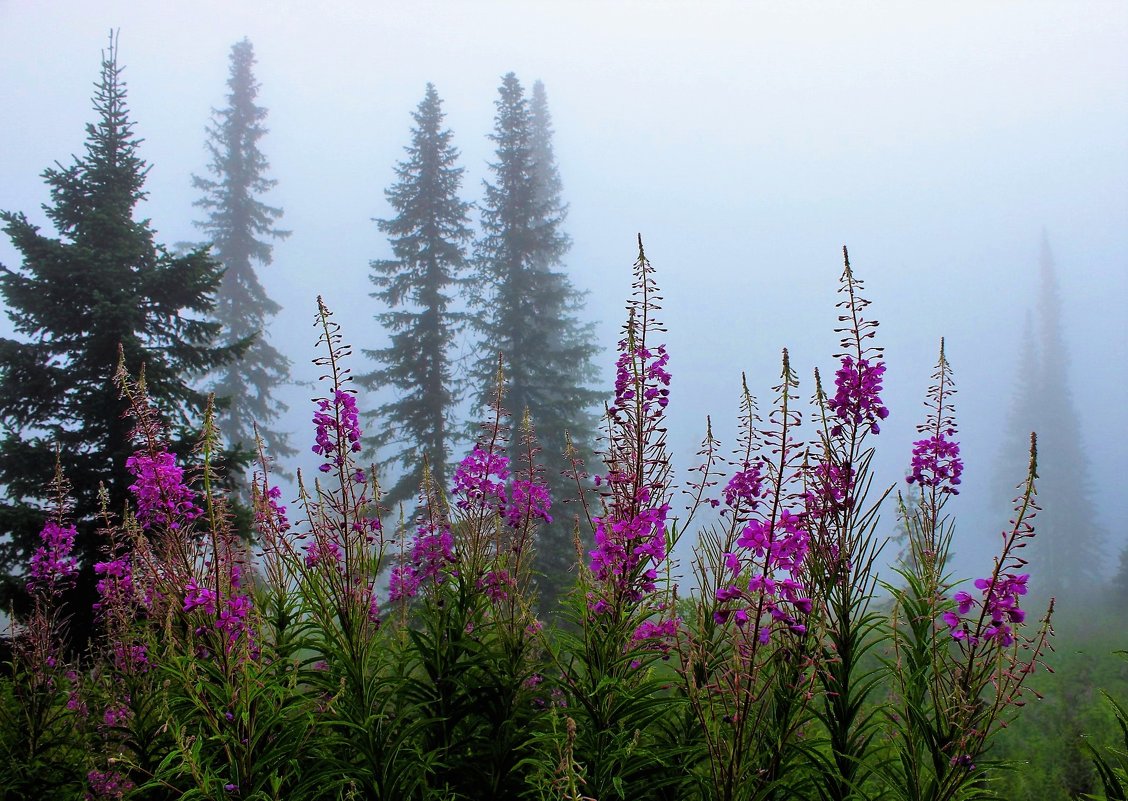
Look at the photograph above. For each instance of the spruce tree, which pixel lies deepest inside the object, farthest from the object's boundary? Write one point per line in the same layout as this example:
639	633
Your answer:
1065	556
428	235
101	285
239	227
529	312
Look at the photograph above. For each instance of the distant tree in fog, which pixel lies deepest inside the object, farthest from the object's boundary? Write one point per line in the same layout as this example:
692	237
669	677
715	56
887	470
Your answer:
239	227
1066	556
429	235
101	286
529	310
1120	582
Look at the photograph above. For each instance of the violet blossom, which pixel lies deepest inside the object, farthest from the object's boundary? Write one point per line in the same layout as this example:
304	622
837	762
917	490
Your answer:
277	510
107	785
746	488
497	584
775	554
659	636
115	587
479	479
52	568
856	400
831	489
196	596
529	499
936	463
322	550
628	552
431	552
1000	605
162	497
338	431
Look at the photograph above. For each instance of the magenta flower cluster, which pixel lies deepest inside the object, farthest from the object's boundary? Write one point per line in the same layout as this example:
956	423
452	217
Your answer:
856	399
479	481
497	585
162	497
52	567
115	587
745	489
273	494
107	785
529	500
640	371
233	621
130	658
431	552
649	630
936	463
338	431
628	551
232	617
323	550
197	597
772	548
659	636
999	607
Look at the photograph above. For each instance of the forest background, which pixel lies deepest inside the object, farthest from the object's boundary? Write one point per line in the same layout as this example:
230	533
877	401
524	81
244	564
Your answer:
746	143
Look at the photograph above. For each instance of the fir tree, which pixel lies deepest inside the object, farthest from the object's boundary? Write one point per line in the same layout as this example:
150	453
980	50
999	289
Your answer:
529	311
239	227
103	287
1065	557
428	235
547	185
1119	594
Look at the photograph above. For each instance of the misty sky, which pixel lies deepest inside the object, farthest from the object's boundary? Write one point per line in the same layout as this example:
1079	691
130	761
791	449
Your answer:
747	142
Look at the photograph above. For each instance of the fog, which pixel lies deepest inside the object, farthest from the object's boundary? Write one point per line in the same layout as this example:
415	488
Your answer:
746	142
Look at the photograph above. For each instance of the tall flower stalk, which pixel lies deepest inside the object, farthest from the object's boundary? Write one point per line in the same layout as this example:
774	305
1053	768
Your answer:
960	660
749	651
841	519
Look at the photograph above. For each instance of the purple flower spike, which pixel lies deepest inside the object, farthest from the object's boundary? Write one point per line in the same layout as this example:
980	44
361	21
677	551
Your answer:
338	430
936	463
856	399
52	568
479	479
162	497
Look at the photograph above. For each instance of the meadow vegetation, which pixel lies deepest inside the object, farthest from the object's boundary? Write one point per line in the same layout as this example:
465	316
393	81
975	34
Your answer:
343	653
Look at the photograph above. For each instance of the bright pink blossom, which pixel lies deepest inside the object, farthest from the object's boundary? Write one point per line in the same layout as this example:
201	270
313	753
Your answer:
162	497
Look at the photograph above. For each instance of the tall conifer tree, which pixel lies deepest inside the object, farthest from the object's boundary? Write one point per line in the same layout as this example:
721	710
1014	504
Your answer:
1065	557
530	310
428	235
240	227
103	284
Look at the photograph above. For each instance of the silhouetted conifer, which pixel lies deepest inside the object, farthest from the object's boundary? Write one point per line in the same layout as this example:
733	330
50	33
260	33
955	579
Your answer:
103	285
529	310
1066	556
428	235
239	227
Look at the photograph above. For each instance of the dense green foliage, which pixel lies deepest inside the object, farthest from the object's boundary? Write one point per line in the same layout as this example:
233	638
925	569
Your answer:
296	673
103	290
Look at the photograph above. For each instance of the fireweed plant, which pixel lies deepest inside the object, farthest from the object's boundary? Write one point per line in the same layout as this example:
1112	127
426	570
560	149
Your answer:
341	653
960	659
